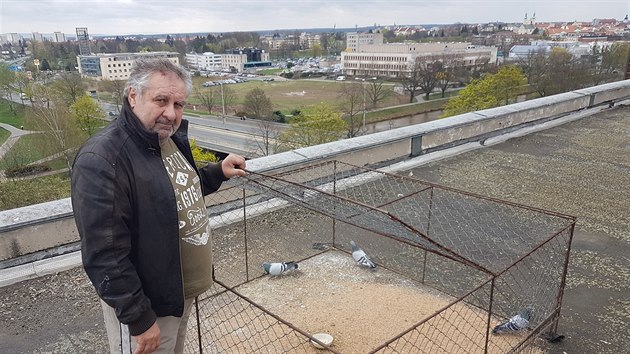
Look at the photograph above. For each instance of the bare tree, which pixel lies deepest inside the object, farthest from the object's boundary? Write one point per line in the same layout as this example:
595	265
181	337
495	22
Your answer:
411	82
376	91
228	95
422	77
71	86
207	97
116	88
352	96
267	143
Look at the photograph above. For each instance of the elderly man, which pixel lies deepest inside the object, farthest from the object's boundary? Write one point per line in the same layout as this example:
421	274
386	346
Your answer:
138	204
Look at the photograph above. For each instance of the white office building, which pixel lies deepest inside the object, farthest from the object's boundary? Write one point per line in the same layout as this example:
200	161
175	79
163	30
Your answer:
207	61
398	59
116	66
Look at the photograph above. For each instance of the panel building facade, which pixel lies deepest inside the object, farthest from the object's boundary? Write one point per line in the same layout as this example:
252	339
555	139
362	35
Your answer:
398	59
116	66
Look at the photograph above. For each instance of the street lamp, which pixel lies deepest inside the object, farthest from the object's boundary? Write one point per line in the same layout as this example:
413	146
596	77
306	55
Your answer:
222	101
363	87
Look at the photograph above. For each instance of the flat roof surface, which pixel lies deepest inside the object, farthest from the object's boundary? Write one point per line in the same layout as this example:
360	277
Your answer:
581	168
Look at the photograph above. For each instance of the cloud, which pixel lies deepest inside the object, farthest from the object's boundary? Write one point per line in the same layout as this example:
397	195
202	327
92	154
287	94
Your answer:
186	16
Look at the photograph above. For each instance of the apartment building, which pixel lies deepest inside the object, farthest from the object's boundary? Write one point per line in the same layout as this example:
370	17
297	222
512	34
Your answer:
207	61
398	59
37	37
356	39
58	37
116	66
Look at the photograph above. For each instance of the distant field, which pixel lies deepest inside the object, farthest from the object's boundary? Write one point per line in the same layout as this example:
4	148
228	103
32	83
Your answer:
295	94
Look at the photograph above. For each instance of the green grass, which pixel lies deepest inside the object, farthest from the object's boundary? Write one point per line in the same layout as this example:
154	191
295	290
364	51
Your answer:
4	135
12	118
290	95
25	149
15	194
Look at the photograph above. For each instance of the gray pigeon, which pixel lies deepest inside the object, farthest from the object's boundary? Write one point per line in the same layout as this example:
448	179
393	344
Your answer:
517	323
278	268
360	257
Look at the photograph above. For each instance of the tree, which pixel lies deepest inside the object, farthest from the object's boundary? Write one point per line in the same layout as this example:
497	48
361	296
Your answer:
422	77
54	121
352	102
376	91
448	73
506	83
71	86
207	97
7	78
488	92
266	143
87	114
116	88
228	96
556	72
314	125
476	96
258	105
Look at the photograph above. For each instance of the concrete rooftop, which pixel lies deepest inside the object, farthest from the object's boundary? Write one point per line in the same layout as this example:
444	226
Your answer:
581	168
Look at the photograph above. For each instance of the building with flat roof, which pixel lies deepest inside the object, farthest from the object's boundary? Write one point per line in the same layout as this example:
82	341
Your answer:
204	61
356	39
242	59
397	59
116	66
58	37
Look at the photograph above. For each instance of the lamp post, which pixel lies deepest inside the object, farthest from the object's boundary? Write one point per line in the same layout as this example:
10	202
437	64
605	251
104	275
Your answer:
222	101
363	87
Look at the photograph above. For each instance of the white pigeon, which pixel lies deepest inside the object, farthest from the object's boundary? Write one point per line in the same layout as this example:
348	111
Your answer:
277	268
517	323
360	257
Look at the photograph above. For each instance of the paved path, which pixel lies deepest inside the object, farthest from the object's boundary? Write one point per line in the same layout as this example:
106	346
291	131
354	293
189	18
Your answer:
15	135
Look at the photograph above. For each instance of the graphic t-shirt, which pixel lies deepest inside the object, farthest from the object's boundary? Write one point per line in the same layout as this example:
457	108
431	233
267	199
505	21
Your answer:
194	233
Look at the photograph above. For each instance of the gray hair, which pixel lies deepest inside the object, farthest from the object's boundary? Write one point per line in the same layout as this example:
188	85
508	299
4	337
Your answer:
143	69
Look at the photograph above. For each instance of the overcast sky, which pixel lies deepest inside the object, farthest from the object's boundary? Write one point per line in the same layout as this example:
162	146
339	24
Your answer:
186	16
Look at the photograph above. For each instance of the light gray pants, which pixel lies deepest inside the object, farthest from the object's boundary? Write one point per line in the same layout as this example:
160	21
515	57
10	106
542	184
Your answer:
172	332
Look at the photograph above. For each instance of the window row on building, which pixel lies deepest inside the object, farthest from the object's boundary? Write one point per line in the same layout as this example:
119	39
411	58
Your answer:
116	66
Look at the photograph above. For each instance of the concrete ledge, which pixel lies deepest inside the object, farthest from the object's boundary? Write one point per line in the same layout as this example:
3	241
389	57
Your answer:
39	268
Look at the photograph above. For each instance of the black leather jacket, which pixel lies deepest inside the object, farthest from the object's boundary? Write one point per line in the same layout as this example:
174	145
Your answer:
125	211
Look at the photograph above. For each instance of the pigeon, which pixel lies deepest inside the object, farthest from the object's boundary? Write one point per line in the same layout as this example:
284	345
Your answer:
517	323
360	257
278	268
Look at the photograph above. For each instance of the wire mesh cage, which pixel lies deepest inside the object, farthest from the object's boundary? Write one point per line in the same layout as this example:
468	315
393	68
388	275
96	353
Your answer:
451	267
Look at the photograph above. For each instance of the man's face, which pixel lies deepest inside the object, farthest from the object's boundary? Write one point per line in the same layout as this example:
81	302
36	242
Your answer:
161	105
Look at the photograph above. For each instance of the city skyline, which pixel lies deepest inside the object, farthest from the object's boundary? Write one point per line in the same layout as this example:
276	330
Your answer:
122	17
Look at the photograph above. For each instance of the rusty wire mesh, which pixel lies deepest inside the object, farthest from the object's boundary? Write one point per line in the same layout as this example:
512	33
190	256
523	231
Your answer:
491	257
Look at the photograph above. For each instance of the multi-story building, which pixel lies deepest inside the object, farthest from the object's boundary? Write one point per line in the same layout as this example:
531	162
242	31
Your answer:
398	59
356	39
241	59
37	37
58	37
205	61
116	66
